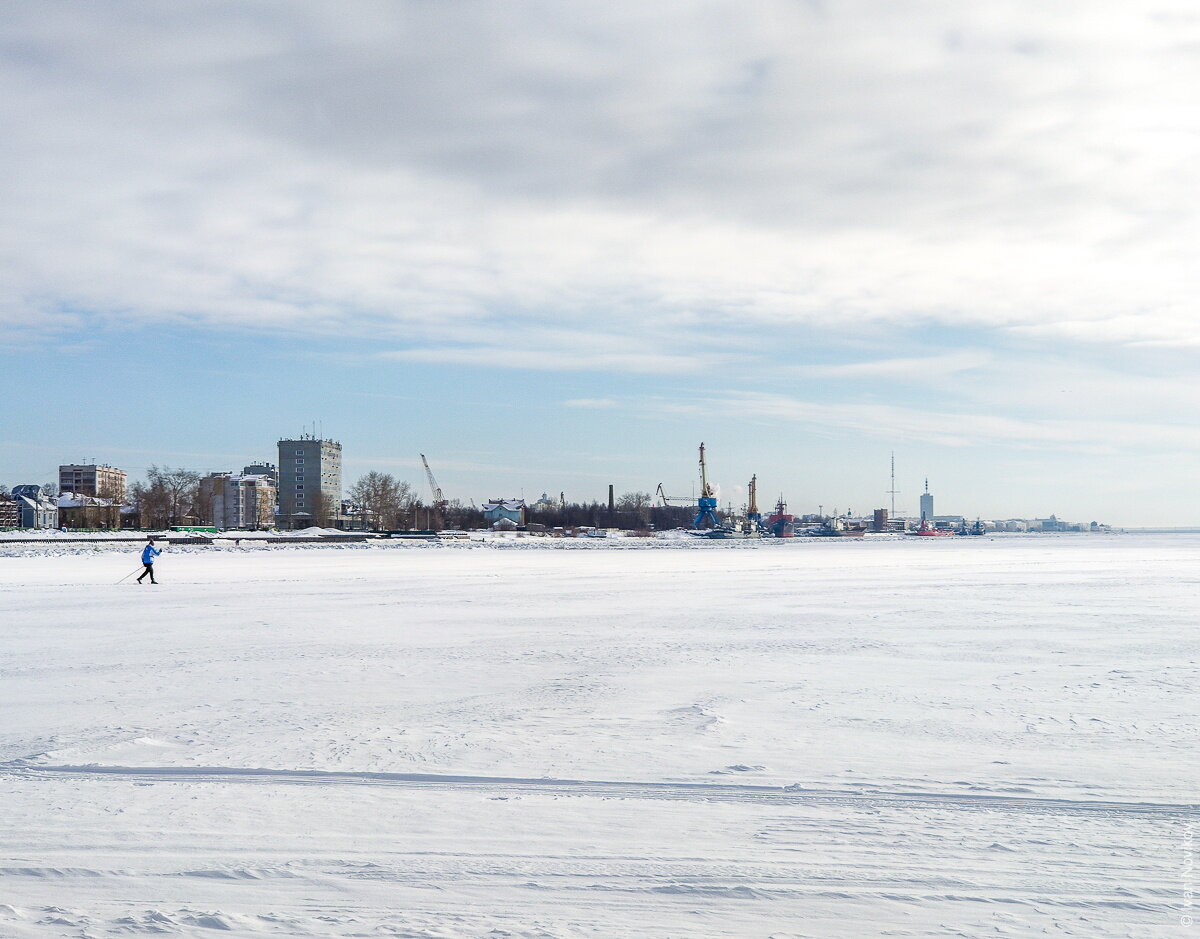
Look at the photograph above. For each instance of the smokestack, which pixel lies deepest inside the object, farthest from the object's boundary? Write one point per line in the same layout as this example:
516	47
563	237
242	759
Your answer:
612	505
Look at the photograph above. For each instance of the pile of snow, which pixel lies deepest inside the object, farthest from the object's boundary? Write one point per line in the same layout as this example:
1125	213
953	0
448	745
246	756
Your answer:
316	532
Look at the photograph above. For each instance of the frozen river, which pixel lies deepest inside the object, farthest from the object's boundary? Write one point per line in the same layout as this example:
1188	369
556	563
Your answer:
964	737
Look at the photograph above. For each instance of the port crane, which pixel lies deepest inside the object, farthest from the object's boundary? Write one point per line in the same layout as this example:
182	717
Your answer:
439	501
753	516
667	500
707	503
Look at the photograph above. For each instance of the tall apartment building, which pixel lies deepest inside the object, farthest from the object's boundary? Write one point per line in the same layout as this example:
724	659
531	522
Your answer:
309	481
92	479
927	503
239	501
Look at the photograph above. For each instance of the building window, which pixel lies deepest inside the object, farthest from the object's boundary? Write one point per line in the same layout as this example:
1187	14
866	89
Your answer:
299	485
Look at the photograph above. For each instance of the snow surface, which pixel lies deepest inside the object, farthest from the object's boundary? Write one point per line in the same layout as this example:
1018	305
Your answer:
536	738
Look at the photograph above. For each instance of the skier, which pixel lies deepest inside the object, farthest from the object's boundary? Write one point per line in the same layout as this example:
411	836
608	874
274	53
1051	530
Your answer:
149	553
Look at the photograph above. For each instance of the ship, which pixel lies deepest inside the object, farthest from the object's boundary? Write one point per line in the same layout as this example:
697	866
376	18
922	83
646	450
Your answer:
834	528
780	524
927	530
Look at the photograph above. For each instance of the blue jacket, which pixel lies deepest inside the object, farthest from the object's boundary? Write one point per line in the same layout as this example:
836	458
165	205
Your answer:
148	554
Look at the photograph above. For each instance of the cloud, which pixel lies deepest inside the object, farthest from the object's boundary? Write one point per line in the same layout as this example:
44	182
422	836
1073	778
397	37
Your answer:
416	169
591	403
942	428
541	359
912	368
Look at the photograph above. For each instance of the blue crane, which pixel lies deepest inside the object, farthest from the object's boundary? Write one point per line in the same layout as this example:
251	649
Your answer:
707	504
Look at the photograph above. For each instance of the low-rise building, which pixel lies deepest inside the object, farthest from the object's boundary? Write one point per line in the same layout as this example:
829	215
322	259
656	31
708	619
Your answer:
81	512
35	509
8	513
512	510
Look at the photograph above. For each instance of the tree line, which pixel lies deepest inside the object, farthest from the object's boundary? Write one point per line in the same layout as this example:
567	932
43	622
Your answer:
381	502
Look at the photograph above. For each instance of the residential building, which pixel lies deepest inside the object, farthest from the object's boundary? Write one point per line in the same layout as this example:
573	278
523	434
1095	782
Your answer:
261	469
9	517
512	510
246	501
309	482
92	479
79	511
35	509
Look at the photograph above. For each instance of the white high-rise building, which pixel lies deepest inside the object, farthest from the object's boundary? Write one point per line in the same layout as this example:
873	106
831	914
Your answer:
927	503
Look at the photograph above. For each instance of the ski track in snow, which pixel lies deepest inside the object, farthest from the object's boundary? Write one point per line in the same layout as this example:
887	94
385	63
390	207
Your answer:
615	789
874	739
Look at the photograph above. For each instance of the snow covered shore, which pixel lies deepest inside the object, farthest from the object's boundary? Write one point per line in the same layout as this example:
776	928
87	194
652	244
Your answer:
985	736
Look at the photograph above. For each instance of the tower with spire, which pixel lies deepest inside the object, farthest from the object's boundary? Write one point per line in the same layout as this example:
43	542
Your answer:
927	503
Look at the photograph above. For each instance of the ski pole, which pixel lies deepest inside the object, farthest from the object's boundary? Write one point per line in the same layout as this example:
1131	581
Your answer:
127	576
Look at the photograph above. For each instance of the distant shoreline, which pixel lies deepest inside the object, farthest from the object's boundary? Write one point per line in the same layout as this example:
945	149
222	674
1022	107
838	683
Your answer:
1161	531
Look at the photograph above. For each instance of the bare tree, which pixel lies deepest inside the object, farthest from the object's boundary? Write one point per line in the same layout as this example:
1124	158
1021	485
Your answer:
321	507
384	500
167	497
202	504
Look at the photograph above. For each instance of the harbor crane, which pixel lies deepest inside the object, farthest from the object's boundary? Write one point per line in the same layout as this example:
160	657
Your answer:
439	501
667	500
707	503
753	516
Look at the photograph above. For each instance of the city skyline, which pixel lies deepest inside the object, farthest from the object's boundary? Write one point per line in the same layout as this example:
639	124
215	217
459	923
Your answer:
556	248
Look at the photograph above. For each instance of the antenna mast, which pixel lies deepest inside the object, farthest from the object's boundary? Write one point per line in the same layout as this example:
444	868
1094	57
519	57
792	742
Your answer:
894	490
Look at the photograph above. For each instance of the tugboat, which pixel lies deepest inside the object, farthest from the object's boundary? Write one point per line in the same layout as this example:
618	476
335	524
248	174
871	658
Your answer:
927	530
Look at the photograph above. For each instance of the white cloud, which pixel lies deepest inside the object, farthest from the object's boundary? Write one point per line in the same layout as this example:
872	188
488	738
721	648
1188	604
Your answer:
540	359
917	369
418	168
591	403
889	422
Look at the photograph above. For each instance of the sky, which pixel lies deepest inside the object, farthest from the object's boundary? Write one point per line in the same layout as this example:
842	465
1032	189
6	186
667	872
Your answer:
556	246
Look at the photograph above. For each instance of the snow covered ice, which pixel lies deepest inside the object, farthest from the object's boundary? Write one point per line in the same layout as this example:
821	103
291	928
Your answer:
976	736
